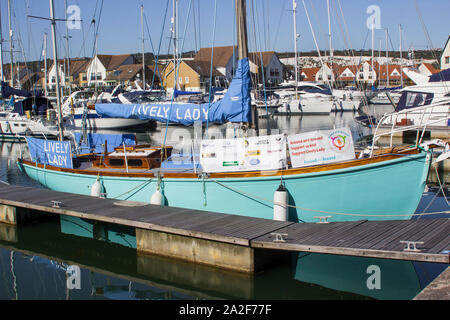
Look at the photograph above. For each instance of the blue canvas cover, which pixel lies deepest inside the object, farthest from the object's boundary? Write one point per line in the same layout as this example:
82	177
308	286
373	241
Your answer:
51	152
234	107
444	75
8	91
96	140
413	99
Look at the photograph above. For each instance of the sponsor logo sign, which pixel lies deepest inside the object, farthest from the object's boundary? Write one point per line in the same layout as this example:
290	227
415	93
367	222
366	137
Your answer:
320	147
244	154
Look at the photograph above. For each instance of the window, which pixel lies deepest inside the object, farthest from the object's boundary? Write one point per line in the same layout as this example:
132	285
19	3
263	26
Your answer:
180	79
135	162
447	59
186	79
116	162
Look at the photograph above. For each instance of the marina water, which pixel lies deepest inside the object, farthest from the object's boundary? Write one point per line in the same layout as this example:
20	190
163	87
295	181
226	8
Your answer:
61	258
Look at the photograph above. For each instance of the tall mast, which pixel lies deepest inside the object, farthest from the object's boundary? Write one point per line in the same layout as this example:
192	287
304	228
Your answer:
1	47
329	39
11	44
67	73
55	62
373	31
45	64
387	60
294	9
143	55
175	40
401	59
241	29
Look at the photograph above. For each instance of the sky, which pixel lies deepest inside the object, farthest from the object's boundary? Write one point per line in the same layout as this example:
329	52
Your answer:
205	23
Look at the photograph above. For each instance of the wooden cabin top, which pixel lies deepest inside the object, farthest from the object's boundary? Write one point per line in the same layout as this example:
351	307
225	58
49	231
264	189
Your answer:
133	157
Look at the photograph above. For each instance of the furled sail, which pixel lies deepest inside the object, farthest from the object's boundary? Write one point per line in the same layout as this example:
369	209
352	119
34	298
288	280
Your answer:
8	91
235	106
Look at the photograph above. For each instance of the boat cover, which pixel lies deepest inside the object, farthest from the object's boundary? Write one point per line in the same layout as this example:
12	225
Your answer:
444	75
233	107
94	142
8	91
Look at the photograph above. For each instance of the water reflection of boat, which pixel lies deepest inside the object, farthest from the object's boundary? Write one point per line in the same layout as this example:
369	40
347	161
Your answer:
377	278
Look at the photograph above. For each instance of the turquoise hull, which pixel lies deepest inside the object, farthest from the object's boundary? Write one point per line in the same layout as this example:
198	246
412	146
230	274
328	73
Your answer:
378	191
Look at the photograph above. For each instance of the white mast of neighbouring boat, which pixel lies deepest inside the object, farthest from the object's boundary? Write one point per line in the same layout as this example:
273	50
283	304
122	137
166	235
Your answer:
387	60
401	58
45	64
143	47
55	62
372	68
330	43
175	40
1	47
11	44
67	72
294	9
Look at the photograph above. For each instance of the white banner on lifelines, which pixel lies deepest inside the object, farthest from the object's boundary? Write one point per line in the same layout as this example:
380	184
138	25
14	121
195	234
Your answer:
243	154
320	147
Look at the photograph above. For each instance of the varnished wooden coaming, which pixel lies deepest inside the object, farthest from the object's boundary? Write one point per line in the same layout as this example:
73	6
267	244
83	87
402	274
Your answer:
379	156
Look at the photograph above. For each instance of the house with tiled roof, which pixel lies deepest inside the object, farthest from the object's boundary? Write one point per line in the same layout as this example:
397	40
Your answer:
390	76
445	55
347	74
68	73
367	73
224	59
192	75
308	74
20	71
327	73
269	63
103	64
127	74
427	69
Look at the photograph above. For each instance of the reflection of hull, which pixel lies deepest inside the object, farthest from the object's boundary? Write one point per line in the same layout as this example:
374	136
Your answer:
100	231
397	279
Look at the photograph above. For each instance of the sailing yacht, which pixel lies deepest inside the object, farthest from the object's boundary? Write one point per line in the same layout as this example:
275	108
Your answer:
251	176
308	98
26	114
427	102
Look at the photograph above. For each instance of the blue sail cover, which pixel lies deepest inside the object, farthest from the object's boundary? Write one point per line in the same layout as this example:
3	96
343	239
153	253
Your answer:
8	91
94	142
444	75
235	106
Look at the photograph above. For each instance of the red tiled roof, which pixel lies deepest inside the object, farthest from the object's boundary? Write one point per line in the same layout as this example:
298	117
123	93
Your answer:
310	73
430	67
203	68
221	55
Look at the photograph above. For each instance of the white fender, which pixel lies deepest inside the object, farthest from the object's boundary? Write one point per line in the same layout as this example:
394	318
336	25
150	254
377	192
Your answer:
96	188
157	198
280	199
